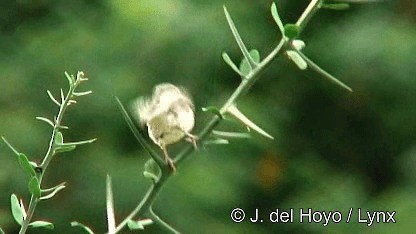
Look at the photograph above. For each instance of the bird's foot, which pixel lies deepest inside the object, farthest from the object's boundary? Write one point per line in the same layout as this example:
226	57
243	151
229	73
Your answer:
169	161
192	139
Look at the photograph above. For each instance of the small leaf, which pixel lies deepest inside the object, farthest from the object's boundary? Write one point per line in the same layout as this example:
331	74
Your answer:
25	165
228	61
217	141
133	225
34	187
238	39
277	18
255	55
42	224
231	134
71	79
291	31
52	191
1	231
10	146
233	110
17	212
78	224
213	110
138	225
297	59
63	127
53	98
77	143
110	206
298	44
245	66
336	6
62	96
63	148
151	170
80	76
59	138
79	94
46	121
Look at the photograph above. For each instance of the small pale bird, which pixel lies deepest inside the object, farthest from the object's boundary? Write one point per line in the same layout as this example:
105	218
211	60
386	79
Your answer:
168	115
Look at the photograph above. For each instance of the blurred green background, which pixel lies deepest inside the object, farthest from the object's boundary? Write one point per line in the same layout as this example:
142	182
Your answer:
332	150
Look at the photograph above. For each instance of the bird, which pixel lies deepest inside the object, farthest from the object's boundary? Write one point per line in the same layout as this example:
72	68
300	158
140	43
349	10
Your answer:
169	117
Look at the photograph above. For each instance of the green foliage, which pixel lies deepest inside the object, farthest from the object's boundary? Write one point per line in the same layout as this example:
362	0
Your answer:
42	224
34	187
25	165
291	31
18	210
245	67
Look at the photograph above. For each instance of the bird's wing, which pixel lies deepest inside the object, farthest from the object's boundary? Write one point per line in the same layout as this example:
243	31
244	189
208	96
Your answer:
141	110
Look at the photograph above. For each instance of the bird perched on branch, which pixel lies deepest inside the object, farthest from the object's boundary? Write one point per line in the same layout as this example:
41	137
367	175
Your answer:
168	115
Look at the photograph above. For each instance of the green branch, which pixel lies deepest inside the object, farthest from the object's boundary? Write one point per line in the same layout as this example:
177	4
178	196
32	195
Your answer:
145	204
54	144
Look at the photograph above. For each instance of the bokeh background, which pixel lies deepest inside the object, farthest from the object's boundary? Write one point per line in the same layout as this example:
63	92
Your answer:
332	150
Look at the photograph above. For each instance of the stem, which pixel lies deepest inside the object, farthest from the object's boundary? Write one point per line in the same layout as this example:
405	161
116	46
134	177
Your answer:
48	157
155	218
245	85
313	6
147	200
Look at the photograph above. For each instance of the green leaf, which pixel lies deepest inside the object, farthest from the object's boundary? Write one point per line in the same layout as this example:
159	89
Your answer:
42	224
245	66
34	187
78	224
79	142
71	79
238	39
298	44
216	141
25	165
63	148
231	134
1	231
78	94
52	191
138	225
18	213
110	206
151	170
233	110
69	146
46	121
277	18
228	61
59	138
213	110
291	31
53	98
133	225
297	59
336	6
10	146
